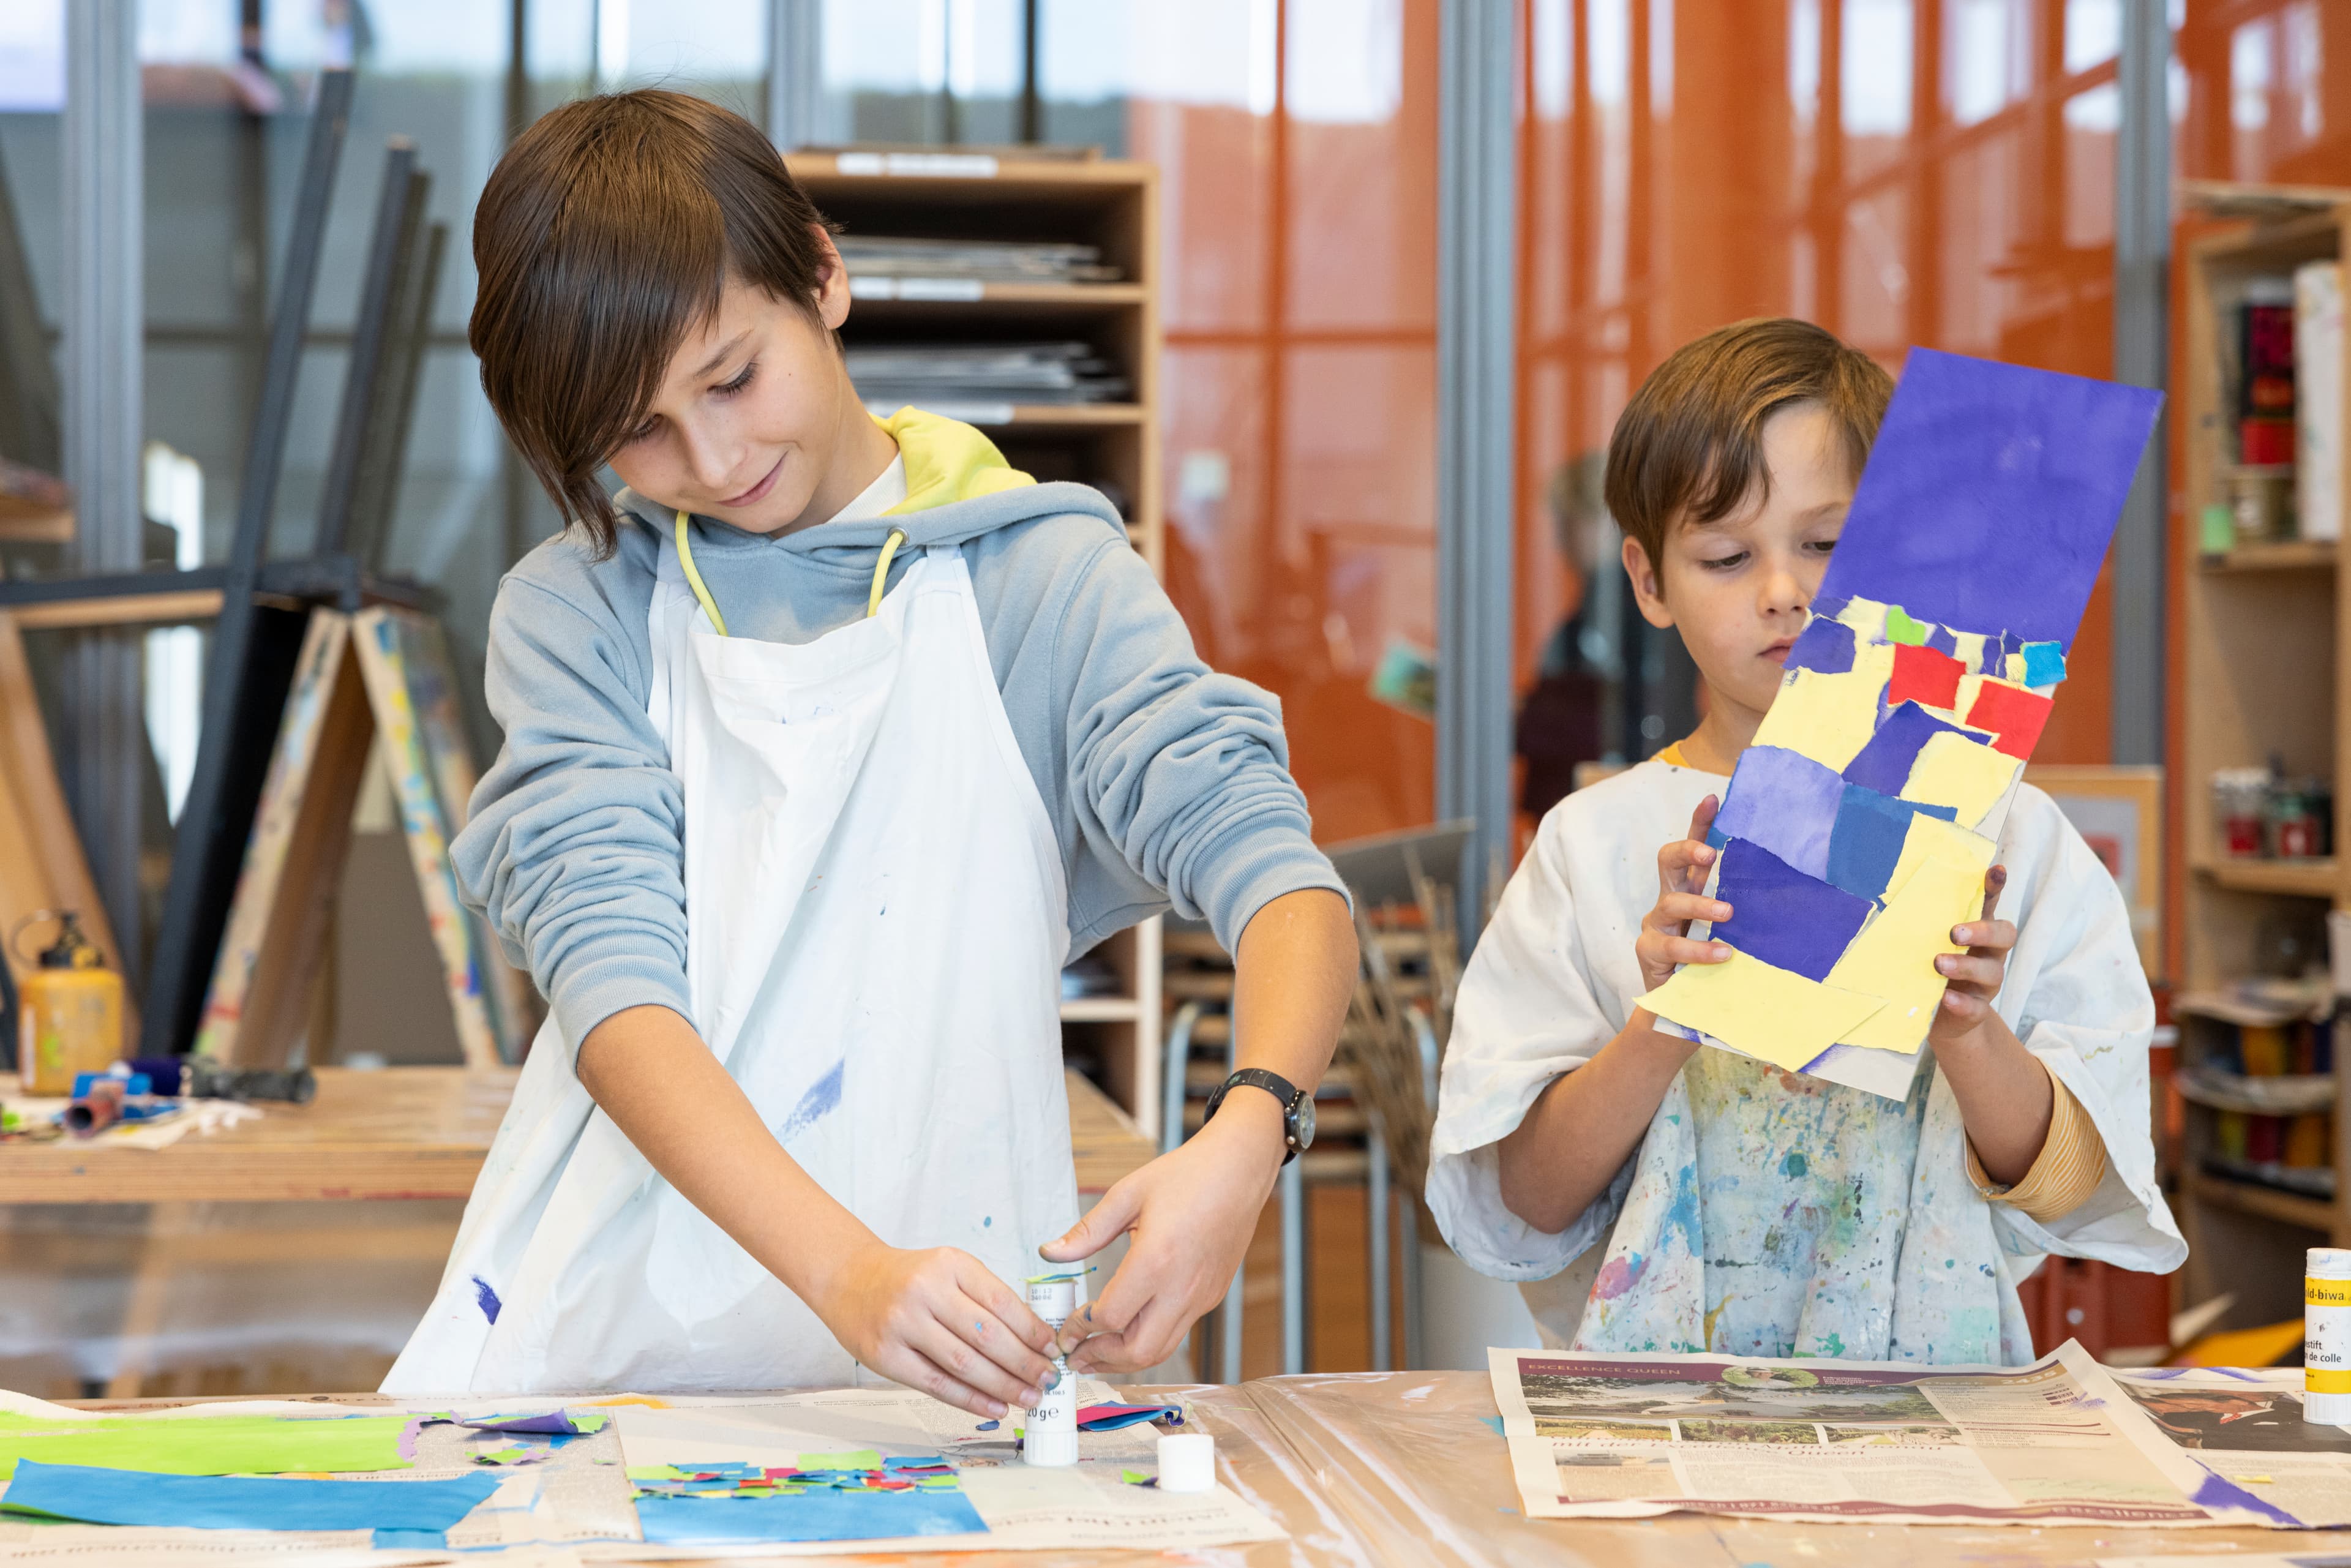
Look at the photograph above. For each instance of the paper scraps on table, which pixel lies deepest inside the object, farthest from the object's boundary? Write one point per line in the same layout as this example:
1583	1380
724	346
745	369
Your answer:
1114	1417
1787	803
1962	773
97	1494
1893	959
1829	717
516	1454
1789	920
217	1445
560	1423
1774	1014
732	1501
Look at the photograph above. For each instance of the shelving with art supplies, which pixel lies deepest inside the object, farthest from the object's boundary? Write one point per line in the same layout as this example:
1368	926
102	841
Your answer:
1017	289
2260	422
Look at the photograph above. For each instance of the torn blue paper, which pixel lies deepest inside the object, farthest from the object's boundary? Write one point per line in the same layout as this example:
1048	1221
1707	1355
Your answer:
1871	830
819	1514
2044	663
1786	802
1782	917
1824	645
1885	763
95	1496
1991	493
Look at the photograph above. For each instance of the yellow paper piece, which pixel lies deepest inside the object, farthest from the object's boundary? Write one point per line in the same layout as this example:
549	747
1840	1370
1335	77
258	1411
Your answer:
2013	666
1933	839
1830	717
1759	1008
1969	649
1965	774
1893	959
1868	619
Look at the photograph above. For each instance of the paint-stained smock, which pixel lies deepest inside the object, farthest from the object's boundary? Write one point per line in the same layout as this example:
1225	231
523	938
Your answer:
1767	1213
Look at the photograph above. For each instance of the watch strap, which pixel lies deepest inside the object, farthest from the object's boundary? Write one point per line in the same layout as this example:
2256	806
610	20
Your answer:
1274	1083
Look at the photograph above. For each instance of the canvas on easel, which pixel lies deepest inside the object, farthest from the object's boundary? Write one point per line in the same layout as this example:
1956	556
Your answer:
358	682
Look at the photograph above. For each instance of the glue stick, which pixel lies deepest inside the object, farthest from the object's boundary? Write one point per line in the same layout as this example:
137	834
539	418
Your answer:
1050	1434
2326	1337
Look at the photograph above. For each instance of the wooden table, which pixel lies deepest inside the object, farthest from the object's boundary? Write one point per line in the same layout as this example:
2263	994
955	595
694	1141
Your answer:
394	1133
397	1132
1387	1468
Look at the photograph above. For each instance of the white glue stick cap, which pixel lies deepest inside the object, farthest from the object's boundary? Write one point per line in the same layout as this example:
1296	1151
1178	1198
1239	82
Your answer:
1187	1462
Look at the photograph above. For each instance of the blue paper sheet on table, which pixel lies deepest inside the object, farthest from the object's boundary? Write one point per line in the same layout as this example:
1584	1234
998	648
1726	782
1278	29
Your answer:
820	1513
95	1496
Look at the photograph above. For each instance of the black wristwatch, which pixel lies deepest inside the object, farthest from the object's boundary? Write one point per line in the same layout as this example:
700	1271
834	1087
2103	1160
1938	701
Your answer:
1297	1107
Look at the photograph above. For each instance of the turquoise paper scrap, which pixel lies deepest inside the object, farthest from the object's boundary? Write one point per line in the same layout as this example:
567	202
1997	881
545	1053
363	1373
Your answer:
95	1496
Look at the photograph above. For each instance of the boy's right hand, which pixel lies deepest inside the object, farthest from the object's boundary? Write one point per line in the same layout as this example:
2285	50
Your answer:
1682	868
937	1319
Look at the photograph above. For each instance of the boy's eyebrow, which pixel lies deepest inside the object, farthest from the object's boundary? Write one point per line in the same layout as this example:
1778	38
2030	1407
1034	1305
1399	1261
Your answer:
720	358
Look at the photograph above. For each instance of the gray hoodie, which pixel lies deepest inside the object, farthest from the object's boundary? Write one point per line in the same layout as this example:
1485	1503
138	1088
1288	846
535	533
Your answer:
1167	783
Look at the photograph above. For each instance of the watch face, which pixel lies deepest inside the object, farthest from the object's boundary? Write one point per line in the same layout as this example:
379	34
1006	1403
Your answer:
1303	1118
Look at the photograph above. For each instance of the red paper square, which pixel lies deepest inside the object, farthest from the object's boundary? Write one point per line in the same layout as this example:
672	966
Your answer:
2015	714
1924	676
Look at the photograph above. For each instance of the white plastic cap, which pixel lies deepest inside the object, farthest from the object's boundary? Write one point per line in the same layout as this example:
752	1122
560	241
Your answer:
2318	1409
1187	1462
2329	1262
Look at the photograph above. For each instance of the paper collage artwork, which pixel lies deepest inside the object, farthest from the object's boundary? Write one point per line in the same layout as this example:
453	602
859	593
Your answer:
1859	826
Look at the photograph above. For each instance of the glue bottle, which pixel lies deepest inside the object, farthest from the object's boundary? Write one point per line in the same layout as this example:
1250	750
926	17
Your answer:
2326	1337
1050	1433
68	1010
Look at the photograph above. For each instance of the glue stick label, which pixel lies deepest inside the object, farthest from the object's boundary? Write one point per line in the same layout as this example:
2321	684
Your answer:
2326	1335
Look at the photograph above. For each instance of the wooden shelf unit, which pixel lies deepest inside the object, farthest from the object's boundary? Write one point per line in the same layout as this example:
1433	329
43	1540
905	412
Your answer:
1110	204
2264	641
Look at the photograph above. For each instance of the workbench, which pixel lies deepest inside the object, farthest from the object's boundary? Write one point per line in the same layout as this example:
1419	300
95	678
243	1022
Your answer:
384	1135
1395	1469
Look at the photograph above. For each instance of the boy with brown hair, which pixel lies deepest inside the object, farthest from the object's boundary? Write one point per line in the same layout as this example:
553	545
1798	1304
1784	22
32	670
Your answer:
1649	1194
829	740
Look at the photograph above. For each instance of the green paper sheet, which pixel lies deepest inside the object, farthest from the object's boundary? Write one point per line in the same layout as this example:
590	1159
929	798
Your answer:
208	1445
847	1459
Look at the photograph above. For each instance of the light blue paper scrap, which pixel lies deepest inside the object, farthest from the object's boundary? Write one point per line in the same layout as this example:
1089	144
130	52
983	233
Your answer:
822	1513
95	1496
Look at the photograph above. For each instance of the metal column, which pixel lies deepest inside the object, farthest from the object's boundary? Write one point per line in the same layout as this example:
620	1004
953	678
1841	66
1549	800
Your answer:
795	73
104	319
1476	295
2142	358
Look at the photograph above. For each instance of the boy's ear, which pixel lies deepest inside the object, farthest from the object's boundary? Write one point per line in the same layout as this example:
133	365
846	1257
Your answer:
1648	585
832	293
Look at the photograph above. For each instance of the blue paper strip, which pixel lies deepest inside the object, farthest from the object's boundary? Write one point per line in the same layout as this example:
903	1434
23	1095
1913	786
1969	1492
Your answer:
1782	917
1824	645
823	1514
98	1496
1991	493
2044	663
1883	765
1871	828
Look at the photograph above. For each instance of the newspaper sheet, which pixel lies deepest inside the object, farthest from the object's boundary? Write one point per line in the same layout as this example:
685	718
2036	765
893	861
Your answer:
2242	1428
1607	1436
1087	1506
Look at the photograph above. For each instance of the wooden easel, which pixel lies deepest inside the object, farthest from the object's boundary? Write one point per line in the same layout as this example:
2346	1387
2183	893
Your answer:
382	675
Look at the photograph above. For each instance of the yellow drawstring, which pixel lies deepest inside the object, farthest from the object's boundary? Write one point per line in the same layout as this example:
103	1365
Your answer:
686	559
881	571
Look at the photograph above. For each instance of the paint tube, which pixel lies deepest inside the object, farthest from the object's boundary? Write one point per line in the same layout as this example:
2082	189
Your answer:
2326	1336
1050	1436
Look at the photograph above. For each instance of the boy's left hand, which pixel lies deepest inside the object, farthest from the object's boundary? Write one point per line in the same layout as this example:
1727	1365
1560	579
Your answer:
1973	977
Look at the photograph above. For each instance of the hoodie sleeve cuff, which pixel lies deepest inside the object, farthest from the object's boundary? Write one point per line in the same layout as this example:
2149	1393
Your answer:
592	987
1255	870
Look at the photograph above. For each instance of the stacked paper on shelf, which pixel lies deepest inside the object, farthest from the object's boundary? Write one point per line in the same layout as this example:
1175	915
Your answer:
1859	828
889	376
981	260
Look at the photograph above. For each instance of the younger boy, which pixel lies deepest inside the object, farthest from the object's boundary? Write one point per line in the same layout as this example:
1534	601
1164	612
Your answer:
1650	1194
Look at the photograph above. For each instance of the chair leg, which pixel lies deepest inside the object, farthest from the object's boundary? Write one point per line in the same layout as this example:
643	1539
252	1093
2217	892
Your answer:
1293	1269
1376	1155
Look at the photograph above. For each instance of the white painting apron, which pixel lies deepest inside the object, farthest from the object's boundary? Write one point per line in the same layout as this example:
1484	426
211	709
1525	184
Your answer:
876	917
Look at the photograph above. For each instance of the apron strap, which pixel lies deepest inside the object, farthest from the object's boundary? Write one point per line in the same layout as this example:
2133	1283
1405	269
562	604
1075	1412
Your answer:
694	577
881	571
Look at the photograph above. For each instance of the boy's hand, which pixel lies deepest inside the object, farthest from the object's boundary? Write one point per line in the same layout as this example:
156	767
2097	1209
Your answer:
937	1319
1192	1212
1682	868
1974	977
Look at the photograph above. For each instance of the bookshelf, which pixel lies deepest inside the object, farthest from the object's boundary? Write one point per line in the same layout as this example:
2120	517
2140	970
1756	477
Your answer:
1111	205
2262	670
